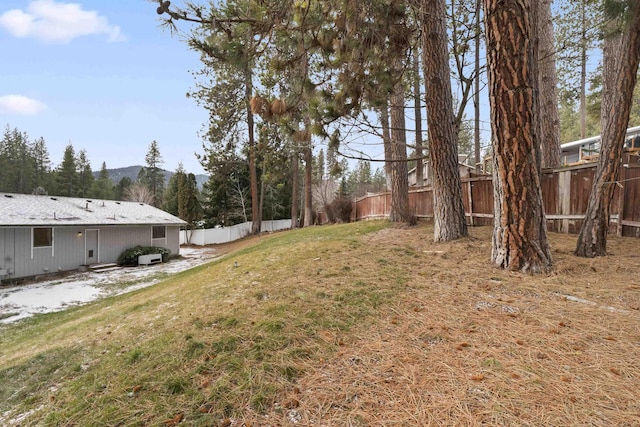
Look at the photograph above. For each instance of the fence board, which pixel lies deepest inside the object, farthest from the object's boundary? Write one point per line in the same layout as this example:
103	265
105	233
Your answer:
421	202
631	204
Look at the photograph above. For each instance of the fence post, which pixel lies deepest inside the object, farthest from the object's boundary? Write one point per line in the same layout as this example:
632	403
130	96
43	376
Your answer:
564	194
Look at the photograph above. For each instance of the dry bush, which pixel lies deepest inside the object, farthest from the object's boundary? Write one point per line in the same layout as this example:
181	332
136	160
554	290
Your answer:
339	210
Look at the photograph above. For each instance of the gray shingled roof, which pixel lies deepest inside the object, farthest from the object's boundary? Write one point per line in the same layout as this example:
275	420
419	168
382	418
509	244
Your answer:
29	210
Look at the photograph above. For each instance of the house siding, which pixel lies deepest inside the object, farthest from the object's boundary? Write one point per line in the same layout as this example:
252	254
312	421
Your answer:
7	250
173	239
114	240
22	251
68	250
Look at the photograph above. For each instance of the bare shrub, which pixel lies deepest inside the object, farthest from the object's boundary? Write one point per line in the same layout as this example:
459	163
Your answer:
339	210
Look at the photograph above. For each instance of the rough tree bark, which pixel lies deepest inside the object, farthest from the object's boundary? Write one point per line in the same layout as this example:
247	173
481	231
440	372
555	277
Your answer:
448	209
520	234
476	92
548	88
584	45
399	173
592	240
386	141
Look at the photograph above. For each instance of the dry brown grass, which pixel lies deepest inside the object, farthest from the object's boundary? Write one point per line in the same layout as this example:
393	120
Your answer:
350	325
467	344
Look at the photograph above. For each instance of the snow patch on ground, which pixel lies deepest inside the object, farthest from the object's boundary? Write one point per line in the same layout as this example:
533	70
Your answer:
22	301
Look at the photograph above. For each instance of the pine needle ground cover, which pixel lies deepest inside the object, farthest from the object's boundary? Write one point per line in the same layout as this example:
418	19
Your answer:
352	325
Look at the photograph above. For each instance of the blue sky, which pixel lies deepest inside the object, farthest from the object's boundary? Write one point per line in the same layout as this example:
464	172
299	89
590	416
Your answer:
101	75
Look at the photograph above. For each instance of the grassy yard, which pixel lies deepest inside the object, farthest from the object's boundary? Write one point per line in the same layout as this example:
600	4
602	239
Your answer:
348	325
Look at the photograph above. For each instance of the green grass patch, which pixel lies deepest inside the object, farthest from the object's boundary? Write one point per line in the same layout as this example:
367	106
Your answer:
227	337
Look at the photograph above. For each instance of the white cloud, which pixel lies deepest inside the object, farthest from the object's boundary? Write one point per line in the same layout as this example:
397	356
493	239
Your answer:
19	104
53	22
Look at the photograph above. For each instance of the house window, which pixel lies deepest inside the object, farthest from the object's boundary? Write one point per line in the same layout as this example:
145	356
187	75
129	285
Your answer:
42	237
159	232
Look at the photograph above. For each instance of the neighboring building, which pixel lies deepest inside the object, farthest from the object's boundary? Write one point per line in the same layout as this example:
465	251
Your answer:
46	234
587	150
464	168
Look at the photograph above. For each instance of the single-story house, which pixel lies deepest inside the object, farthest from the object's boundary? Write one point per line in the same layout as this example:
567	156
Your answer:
47	234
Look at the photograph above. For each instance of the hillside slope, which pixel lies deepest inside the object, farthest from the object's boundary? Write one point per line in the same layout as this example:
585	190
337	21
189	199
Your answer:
360	324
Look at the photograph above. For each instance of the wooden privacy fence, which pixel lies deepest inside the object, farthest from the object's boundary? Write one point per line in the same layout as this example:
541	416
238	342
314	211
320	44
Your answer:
565	193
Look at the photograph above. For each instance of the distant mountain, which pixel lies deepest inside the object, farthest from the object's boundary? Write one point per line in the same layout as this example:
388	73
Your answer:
132	173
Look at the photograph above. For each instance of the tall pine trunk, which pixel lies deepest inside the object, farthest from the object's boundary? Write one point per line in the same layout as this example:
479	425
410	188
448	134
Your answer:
418	116
548	85
399	174
520	235
592	240
476	92
448	210
386	141
584	45
256	215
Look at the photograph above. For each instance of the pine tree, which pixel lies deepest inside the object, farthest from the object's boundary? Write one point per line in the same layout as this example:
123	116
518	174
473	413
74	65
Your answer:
152	175
448	210
67	175
623	58
120	190
102	187
172	192
548	88
189	208
520	234
42	177
226	194
85	174
16	162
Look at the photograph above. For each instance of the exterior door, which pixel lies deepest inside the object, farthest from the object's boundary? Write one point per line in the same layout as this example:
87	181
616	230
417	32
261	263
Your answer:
91	247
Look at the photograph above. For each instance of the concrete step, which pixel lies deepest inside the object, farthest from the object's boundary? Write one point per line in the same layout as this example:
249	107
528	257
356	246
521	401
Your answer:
99	268
105	270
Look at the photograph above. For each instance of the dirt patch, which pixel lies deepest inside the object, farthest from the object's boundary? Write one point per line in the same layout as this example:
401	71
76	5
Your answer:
468	344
